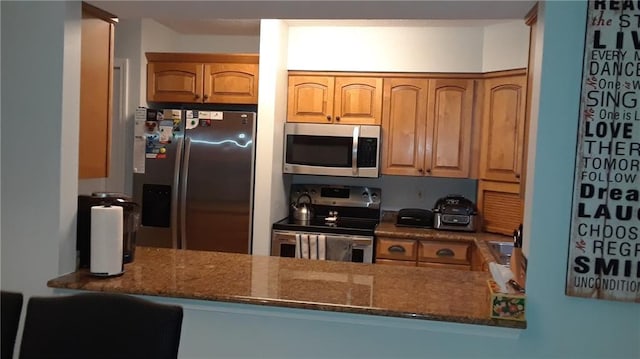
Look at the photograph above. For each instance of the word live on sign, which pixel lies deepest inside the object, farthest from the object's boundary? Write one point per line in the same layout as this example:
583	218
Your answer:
604	245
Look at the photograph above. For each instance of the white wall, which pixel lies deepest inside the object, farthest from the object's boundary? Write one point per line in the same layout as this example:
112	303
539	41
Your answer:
475	48
217	44
505	46
40	112
270	184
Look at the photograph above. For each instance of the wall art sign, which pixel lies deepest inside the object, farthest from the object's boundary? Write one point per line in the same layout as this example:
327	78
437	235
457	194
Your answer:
604	247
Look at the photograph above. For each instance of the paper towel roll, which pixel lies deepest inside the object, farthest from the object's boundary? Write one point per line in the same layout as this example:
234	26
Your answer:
106	240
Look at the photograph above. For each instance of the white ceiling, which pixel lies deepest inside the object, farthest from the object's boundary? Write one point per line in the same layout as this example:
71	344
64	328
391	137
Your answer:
241	17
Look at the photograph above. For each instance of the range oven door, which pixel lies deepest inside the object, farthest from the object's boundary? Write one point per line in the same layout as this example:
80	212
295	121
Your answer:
283	244
333	150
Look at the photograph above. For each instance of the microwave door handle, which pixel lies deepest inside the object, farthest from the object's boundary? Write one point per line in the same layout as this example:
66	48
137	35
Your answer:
354	151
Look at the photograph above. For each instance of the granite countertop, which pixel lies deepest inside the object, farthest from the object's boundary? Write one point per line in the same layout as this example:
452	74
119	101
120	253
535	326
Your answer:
384	290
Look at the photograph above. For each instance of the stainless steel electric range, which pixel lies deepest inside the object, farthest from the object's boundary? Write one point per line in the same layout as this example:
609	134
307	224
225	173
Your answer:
338	221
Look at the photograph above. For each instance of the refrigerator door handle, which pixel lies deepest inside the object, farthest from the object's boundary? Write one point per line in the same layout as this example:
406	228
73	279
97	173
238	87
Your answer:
183	193
174	195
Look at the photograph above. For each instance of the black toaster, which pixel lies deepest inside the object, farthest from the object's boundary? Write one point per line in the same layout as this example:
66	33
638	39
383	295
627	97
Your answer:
415	217
455	213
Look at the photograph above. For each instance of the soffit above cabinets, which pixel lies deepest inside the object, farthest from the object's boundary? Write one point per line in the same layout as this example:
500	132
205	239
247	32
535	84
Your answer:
242	17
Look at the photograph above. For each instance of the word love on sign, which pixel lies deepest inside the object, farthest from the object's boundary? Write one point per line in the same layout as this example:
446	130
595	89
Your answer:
604	247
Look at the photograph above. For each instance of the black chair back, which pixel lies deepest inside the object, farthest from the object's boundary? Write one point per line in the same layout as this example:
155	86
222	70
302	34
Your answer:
100	325
10	309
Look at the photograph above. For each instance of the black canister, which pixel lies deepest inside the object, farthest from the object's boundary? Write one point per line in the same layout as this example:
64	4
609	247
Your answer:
131	222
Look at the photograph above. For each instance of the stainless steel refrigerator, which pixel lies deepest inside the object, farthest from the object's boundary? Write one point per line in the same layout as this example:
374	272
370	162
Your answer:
196	188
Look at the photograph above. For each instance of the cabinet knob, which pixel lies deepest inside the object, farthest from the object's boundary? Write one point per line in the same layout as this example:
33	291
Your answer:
197	96
420	170
206	97
328	117
517	175
338	118
428	170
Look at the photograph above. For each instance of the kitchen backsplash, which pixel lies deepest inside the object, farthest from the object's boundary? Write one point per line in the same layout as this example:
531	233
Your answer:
403	191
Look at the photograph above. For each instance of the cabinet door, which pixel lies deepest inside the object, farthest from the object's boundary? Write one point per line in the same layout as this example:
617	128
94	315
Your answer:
503	129
358	100
500	206
403	126
231	83
174	82
96	69
448	144
310	99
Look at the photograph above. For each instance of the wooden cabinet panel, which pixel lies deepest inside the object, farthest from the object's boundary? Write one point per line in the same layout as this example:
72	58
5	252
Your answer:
503	128
358	100
230	83
500	206
450	110
427	126
96	86
334	99
398	249
174	82
444	252
310	99
202	78
404	126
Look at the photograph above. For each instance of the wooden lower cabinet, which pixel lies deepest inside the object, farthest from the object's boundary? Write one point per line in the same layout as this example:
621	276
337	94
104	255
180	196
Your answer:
424	253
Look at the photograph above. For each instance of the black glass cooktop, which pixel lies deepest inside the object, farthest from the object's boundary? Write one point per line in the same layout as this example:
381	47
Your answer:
345	225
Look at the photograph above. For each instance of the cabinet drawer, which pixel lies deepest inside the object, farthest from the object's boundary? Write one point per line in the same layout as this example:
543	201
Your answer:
401	249
445	265
444	252
396	262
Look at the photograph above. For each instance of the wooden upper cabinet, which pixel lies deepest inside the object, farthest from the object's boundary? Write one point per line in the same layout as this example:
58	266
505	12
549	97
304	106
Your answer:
310	99
426	127
449	117
358	100
334	99
503	128
202	78
404	126
174	82
96	87
231	83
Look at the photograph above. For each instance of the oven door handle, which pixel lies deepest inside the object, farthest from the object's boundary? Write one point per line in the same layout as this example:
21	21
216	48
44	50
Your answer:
354	150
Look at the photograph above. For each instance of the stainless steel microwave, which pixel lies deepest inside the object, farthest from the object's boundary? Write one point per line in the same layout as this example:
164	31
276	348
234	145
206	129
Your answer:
331	149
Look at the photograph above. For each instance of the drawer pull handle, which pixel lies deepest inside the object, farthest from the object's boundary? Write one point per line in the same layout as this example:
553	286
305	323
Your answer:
396	249
445	252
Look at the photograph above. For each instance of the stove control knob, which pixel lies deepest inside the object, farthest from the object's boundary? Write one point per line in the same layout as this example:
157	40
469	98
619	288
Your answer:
365	194
374	196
